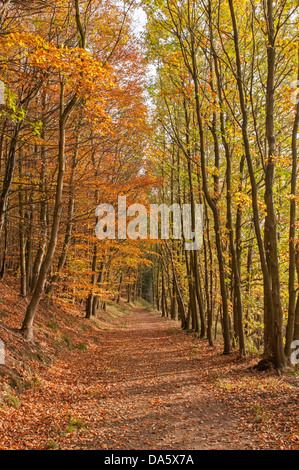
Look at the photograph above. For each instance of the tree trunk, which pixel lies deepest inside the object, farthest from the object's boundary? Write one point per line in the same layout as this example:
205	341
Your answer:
8	176
89	303
213	205
43	206
271	248
22	240
268	300
27	327
292	251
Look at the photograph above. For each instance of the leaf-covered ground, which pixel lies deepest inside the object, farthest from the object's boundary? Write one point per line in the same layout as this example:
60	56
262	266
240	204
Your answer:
139	382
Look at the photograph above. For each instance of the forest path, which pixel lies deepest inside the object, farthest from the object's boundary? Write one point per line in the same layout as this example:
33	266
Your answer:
157	393
144	384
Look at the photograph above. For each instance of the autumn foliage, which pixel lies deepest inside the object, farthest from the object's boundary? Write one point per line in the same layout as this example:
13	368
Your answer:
200	109
74	135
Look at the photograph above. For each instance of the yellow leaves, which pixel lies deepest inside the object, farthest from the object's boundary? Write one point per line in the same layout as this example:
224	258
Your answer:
215	171
242	199
79	69
75	64
290	197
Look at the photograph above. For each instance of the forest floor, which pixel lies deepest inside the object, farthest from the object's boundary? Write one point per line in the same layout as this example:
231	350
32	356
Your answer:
132	380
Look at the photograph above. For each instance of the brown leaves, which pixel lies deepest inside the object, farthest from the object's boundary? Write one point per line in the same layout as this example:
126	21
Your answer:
144	385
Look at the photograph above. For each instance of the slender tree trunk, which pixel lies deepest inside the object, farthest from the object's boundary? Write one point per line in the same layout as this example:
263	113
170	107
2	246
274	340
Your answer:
271	247
268	300
68	232
29	241
209	283
89	303
181	306
22	239
9	172
43	206
27	327
5	249
292	251
213	205
120	287
296	321
236	274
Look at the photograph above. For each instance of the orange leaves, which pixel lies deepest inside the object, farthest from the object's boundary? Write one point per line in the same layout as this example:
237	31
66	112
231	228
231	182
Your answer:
130	379
106	134
77	65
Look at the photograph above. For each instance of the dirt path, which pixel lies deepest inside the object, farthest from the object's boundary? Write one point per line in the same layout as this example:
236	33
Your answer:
154	397
145	385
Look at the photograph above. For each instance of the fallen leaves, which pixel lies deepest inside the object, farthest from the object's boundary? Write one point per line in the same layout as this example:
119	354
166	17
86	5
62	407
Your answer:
140	388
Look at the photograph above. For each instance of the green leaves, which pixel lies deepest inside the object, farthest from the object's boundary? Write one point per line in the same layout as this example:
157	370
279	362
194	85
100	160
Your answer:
13	111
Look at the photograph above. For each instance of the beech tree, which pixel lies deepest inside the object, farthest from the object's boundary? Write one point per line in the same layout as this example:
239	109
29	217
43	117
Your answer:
237	61
216	126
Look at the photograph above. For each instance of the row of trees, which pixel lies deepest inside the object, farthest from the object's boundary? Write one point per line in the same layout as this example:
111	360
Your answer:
72	135
227	138
221	130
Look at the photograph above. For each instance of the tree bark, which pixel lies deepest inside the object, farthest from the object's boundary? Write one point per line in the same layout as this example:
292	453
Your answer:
292	235
65	111
9	172
268	300
271	247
